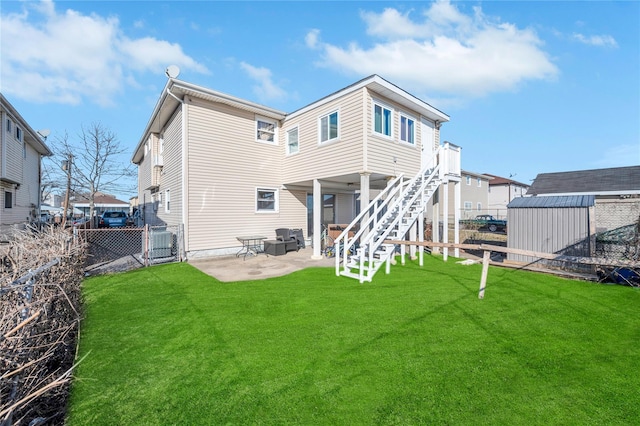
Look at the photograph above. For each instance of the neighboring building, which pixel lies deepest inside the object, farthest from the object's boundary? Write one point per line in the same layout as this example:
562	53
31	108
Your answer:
224	167
501	192
474	194
616	191
21	150
101	203
580	213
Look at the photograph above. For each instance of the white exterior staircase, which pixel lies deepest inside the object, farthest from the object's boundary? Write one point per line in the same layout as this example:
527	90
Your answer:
390	216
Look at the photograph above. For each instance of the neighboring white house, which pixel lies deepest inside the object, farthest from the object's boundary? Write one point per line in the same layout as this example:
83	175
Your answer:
225	167
101	203
501	192
21	150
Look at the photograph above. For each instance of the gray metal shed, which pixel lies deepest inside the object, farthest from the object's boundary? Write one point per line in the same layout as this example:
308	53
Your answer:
551	224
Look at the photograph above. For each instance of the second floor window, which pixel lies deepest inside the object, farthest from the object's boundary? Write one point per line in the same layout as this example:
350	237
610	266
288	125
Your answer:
292	141
468	180
382	120
265	130
407	130
18	133
329	127
8	125
479	183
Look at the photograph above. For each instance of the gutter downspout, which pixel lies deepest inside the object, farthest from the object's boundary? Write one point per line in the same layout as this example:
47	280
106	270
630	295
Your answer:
183	180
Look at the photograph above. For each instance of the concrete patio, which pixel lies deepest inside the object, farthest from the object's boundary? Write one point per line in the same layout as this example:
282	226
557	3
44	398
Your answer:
232	268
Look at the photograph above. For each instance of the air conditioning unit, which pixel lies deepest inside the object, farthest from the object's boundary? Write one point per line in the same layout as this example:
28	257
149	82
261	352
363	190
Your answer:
160	244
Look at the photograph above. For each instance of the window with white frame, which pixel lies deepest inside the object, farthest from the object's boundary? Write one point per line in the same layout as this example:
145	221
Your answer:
479	207
468	206
468	180
9	125
265	130
292	141
382	119
18	133
266	200
479	183
167	201
329	127
407	129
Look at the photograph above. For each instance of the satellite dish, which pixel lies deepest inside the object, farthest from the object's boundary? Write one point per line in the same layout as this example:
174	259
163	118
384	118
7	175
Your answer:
44	133
172	71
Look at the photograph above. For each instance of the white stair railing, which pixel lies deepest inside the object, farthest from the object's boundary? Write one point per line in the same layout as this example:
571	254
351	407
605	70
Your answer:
401	204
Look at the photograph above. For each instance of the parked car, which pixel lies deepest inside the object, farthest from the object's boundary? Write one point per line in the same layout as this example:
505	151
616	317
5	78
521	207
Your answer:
486	221
112	219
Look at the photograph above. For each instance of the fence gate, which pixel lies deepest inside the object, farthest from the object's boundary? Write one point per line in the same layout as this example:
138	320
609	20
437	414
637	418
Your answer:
123	249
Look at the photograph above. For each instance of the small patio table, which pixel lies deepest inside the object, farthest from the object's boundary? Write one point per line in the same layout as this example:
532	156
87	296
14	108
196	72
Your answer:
250	245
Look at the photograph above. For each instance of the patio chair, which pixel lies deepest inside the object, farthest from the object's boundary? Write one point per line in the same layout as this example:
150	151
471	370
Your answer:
291	242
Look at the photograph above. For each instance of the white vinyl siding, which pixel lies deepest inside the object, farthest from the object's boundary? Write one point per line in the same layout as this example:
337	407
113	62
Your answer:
224	169
318	161
381	153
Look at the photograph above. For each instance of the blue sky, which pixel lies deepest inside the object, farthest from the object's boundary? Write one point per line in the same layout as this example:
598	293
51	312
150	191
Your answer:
531	87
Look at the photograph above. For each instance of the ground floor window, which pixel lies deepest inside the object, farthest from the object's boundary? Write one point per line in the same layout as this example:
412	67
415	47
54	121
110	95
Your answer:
266	200
8	199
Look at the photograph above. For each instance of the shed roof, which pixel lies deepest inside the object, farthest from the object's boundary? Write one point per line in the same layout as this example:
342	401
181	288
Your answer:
563	201
616	180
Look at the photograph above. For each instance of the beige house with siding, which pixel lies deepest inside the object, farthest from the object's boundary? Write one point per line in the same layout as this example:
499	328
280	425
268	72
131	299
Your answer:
226	167
21	150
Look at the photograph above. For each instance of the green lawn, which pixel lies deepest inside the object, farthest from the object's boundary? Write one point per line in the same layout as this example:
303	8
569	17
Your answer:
171	345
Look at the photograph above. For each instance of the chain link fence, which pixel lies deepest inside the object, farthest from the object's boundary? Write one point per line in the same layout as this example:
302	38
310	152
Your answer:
124	249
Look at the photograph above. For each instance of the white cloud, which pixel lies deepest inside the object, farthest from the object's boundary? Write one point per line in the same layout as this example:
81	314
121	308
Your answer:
67	57
443	51
266	89
596	40
311	39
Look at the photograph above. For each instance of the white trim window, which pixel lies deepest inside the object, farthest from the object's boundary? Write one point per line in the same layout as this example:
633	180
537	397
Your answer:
266	130
467	206
468	179
9	122
328	127
18	133
479	183
407	129
167	201
292	141
267	200
382	120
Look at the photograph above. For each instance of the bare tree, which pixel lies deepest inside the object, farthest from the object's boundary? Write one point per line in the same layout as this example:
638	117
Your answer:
94	163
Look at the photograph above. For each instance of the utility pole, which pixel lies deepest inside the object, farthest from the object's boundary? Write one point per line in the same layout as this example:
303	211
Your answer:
66	166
